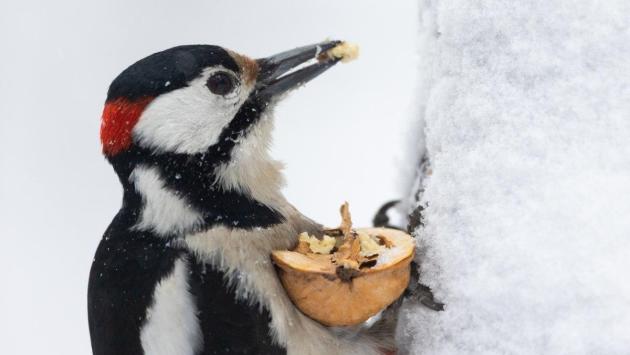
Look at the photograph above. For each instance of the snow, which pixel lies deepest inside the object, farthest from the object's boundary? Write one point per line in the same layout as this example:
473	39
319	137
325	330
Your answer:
526	109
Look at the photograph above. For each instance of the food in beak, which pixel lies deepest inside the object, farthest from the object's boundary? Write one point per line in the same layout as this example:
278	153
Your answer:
285	71
344	51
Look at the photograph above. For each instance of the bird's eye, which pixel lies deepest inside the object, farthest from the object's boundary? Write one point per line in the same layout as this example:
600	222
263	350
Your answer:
221	83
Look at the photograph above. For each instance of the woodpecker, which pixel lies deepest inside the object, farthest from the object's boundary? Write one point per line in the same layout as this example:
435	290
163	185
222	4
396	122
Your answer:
184	266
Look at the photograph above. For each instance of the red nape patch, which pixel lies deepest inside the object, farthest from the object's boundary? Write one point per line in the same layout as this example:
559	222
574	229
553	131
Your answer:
119	118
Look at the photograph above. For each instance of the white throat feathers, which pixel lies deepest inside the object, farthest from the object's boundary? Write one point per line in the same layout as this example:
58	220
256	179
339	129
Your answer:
251	170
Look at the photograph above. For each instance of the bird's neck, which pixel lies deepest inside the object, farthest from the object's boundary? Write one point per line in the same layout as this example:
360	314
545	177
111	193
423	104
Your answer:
252	171
173	194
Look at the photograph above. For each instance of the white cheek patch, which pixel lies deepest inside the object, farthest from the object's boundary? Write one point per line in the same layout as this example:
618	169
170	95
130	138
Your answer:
187	120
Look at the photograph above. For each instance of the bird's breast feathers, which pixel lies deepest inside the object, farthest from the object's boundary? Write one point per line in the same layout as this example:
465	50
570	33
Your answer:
243	255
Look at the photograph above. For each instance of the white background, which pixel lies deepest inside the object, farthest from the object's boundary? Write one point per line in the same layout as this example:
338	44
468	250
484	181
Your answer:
57	194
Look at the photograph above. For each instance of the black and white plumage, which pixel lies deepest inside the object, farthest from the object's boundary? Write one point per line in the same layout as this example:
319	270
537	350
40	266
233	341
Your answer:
184	267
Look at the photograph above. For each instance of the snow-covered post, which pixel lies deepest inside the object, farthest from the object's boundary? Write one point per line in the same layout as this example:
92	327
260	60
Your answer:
525	121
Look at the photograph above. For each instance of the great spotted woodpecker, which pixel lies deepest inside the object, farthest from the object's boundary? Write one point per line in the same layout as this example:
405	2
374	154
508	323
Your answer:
184	267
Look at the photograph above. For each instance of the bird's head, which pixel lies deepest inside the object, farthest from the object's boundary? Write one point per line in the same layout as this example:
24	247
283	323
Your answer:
199	99
188	129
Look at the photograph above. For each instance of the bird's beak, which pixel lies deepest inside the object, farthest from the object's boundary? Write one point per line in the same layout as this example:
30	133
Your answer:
284	71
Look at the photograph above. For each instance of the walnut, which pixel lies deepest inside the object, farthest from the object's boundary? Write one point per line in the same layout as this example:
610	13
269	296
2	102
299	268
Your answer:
349	274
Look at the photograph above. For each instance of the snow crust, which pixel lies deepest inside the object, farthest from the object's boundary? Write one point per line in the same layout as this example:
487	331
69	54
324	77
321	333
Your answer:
526	108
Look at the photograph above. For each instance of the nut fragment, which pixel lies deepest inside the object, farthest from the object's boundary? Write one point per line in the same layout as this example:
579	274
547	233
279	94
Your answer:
309	243
346	219
303	247
351	250
345	51
384	241
348	256
369	246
